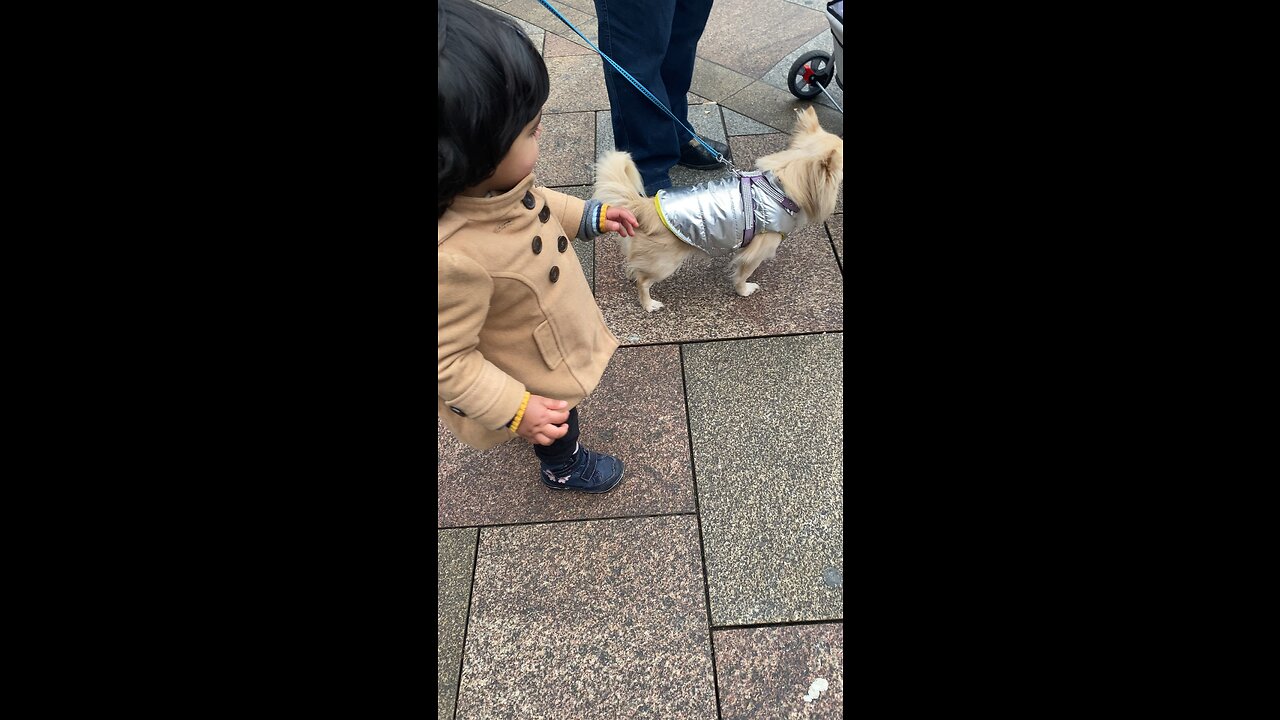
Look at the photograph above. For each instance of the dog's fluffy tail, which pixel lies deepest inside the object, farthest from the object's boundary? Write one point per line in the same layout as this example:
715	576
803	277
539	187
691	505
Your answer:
618	182
617	179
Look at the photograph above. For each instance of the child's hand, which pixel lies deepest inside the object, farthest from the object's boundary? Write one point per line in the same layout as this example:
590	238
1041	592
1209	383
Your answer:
541	418
621	221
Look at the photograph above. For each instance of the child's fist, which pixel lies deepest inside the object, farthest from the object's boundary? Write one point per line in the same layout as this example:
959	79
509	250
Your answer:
545	420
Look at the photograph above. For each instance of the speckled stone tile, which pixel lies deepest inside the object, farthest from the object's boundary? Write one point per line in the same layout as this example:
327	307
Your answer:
586	7
494	3
835	228
767	418
776	108
557	46
695	99
715	83
749	148
765	673
604	134
801	290
455	552
565	149
775	28
739	124
586	249
577	84
592	620
819	5
778	75
636	414
533	12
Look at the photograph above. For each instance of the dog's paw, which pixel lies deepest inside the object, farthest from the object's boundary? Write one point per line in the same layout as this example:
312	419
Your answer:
653	305
746	289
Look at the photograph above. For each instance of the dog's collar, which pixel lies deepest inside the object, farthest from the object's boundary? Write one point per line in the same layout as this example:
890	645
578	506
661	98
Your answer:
759	178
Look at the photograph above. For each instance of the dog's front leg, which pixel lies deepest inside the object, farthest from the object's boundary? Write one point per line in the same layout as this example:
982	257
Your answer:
763	247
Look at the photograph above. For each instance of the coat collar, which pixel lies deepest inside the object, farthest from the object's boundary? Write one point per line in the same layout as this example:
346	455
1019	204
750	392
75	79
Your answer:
471	209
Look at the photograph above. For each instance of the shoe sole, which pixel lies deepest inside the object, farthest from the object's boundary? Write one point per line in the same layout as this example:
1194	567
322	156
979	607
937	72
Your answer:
565	488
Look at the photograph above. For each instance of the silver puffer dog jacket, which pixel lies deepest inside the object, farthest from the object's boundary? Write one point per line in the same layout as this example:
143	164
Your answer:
723	215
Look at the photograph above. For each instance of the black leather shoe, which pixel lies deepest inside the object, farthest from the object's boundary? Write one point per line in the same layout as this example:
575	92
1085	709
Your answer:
693	155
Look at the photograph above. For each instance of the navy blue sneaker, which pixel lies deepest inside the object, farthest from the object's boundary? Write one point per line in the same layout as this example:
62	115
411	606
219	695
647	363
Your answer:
591	472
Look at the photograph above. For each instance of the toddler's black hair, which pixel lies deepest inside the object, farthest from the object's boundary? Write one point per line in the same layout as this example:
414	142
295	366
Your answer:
490	83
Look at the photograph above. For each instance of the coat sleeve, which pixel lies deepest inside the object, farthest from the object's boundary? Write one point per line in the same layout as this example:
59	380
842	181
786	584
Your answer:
567	210
465	379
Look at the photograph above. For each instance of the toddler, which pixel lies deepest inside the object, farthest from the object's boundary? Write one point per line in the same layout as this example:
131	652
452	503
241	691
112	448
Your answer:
520	338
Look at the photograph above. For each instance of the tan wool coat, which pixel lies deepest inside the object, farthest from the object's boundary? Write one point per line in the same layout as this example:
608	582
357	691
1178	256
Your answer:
515	313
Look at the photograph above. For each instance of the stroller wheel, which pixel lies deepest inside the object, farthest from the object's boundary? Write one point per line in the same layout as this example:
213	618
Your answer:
808	72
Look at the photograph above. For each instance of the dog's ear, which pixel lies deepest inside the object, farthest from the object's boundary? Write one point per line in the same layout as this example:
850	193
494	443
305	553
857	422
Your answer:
833	162
807	120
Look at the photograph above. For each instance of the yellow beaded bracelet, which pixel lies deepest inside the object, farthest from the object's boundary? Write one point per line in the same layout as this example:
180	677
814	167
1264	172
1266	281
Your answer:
603	209
515	424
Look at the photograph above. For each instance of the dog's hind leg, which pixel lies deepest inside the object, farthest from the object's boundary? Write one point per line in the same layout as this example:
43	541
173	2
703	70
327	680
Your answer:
762	248
643	281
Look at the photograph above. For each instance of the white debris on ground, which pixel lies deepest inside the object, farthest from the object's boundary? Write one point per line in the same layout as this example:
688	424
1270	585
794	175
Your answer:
815	689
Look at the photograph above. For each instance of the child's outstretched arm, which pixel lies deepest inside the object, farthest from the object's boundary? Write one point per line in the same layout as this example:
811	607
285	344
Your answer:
584	218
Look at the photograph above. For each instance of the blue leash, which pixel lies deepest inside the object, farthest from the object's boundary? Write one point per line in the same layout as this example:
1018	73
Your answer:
639	87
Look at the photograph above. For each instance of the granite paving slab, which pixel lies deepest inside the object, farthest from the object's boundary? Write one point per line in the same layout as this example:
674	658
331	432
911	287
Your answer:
455	553
747	149
565	149
586	249
765	673
636	414
533	12
595	620
577	84
557	46
586	7
776	108
835	228
778	75
801	290
819	5
715	82
739	124
774	28
767	420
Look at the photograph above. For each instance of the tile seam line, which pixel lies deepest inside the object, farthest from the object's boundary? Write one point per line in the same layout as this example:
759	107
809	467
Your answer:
565	520
779	624
702	545
830	240
699	341
471	595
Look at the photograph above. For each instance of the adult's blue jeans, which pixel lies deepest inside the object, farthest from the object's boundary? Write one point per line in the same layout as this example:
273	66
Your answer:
655	41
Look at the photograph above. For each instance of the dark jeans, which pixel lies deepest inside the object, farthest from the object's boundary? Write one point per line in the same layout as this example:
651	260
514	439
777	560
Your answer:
560	453
655	41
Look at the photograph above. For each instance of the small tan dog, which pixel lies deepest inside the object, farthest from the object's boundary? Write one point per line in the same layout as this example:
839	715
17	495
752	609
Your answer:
795	188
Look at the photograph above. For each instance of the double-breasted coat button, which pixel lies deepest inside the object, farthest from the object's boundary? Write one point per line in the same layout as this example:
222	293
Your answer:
546	213
528	200
456	411
537	244
562	242
555	273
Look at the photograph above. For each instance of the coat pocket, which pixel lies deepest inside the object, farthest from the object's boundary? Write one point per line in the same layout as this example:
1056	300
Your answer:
547	345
